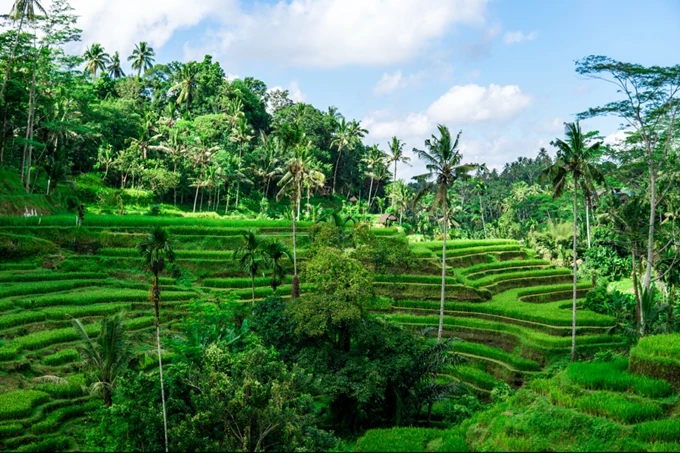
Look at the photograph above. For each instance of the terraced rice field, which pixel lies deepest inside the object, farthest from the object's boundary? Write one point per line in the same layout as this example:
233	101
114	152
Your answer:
512	310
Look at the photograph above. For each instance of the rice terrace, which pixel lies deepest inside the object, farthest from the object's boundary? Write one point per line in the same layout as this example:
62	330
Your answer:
430	226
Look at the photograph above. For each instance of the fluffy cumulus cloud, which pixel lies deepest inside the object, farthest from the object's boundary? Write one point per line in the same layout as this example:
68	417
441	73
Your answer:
332	33
474	103
516	37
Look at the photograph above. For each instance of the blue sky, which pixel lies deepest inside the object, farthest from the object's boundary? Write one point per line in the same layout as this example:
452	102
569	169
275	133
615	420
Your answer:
500	70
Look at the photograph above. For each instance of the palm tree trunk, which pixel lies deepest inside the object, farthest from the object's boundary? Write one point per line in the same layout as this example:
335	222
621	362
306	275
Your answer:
226	208
308	205
196	198
636	290
295	287
174	196
337	164
588	218
217	198
201	207
573	307
252	283
647	281
370	192
481	211
156	295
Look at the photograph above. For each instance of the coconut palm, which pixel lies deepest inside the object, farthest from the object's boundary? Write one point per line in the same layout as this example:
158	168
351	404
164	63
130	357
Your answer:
241	135
251	256
397	154
96	59
114	68
22	11
142	58
299	168
373	160
107	356
156	250
574	158
480	189
443	160
347	136
275	252
187	84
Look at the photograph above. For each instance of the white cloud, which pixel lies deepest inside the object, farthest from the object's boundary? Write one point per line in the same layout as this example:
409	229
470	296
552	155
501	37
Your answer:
295	93
516	37
231	77
617	138
392	82
332	33
552	126
473	103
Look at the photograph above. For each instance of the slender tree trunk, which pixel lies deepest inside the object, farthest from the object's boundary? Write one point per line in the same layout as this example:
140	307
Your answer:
174	195
2	134
573	307
226	208
196	198
308	204
238	183
217	198
638	303
481	211
370	192
252	283
337	164
201	207
647	281
588	218
156	296
107	396
295	287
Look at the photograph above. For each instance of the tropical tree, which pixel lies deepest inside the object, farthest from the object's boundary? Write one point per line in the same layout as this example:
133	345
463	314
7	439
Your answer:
156	250
115	70
107	356
142	58
298	170
187	84
251	256
96	59
575	157
22	11
374	160
397	154
275	252
443	162
480	189
347	136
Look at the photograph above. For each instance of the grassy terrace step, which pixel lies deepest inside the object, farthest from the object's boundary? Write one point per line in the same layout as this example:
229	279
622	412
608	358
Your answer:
224	255
50	276
513	362
499	265
524	282
472	375
430	291
238	282
542	327
100	295
427	279
506	304
532	274
33	288
471	278
527	336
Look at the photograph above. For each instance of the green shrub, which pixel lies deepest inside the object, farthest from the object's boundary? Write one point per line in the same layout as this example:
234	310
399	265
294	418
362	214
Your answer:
619	407
614	376
61	357
666	430
20	403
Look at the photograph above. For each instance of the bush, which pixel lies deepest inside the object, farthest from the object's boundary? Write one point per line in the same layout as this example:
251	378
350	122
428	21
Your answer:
20	403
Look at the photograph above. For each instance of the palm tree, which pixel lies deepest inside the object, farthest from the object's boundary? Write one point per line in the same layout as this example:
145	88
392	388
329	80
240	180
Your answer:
114	69
299	169
187	84
107	356
156	251
346	136
443	160
276	251
22	10
397	154
142	58
96	59
574	158
480	188
373	160
251	256
241	135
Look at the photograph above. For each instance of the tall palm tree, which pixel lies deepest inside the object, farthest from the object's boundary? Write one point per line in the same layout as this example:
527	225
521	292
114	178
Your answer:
142	58
251	256
107	356
276	251
156	250
397	154
187	84
575	157
114	68
373	160
96	59
443	161
299	169
480	188
241	134
22	11
347	136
